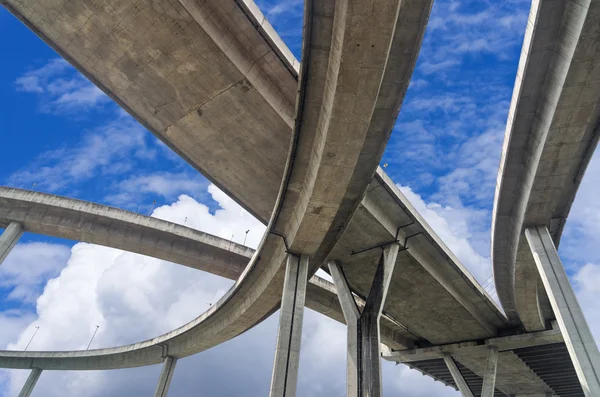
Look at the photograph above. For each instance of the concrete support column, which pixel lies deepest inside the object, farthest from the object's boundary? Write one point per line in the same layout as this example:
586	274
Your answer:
457	376
287	352
166	374
573	326
352	316
489	377
30	382
9	239
364	349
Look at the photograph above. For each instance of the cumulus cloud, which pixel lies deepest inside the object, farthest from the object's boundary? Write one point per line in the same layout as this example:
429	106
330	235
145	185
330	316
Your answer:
27	266
132	297
452	225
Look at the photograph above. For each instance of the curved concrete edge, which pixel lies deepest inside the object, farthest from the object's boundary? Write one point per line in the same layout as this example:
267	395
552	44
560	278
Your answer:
306	187
79	220
255	67
479	302
173	131
551	132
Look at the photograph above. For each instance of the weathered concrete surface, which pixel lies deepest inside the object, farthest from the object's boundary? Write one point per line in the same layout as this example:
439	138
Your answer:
284	380
489	376
184	63
351	316
320	190
166	374
99	224
551	133
9	238
434	297
569	316
503	343
513	376
229	114
457	376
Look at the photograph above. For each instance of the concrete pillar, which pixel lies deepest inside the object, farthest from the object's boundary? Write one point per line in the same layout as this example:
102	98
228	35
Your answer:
9	239
364	348
489	377
34	375
457	376
575	330
166	374
352	316
287	352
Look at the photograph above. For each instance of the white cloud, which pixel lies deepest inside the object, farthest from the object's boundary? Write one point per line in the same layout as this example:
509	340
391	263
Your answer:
453	226
164	184
28	265
132	297
107	150
60	88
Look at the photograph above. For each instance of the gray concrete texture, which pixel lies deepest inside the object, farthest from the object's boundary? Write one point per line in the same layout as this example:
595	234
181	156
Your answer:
9	238
166	374
580	342
299	213
32	379
552	131
75	219
284	380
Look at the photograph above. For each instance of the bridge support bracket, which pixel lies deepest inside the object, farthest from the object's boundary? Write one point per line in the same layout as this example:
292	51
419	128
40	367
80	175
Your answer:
363	371
166	374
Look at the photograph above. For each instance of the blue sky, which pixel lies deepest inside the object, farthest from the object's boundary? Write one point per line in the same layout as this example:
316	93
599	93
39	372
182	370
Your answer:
61	135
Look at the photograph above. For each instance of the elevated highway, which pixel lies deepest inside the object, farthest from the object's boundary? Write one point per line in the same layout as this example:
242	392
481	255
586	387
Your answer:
552	131
215	83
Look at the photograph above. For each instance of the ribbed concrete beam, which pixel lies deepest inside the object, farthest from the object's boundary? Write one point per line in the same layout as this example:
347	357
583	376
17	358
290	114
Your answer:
569	316
289	336
475	347
364	344
34	375
166	374
457	376
9	239
489	377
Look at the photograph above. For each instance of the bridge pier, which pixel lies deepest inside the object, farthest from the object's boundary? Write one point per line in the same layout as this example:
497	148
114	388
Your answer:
34	375
287	352
571	321
489	377
166	374
9	239
460	381
363	371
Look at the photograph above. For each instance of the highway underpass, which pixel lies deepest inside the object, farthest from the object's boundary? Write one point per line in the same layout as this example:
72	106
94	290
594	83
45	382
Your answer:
302	142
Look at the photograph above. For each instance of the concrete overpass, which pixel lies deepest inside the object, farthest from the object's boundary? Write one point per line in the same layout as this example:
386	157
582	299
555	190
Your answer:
552	132
434	303
176	66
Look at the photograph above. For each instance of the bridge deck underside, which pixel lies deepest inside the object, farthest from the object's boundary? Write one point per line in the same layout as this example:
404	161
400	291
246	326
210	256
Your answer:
438	370
553	364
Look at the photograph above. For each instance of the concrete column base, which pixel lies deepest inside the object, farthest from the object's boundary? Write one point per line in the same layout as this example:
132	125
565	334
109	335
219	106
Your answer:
289	336
571	321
